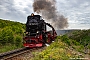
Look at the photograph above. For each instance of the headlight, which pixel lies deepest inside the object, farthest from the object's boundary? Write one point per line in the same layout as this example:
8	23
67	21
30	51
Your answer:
26	32
37	32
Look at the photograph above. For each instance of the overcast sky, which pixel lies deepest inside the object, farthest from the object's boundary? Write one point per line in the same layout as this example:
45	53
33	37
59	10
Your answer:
77	11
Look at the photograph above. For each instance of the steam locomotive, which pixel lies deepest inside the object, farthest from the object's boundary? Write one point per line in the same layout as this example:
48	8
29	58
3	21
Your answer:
36	34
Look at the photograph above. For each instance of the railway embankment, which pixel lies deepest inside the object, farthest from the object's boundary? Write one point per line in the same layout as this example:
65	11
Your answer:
70	46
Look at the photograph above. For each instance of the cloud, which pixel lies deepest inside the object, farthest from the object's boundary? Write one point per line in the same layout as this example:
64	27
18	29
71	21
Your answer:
16	10
77	11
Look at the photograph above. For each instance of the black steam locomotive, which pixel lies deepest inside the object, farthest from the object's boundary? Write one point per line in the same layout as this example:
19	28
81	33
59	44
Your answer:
36	34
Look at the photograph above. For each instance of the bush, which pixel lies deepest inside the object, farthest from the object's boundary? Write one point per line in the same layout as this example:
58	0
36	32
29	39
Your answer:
10	35
81	37
6	36
18	41
17	29
56	51
65	39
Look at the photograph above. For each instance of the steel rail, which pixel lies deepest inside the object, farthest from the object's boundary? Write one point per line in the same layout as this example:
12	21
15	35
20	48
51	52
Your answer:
15	53
4	55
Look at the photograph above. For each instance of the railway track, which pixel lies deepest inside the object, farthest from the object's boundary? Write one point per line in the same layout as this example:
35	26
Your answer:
10	54
16	54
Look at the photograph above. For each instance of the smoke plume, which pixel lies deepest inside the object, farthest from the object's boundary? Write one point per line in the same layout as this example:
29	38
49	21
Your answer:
49	12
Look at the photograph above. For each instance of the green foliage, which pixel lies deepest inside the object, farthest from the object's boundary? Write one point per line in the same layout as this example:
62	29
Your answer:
17	29
79	40
6	48
4	23
75	44
65	39
18	41
6	36
82	37
56	51
69	41
11	34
